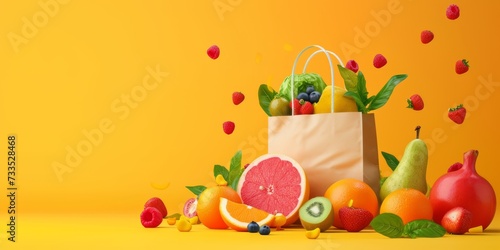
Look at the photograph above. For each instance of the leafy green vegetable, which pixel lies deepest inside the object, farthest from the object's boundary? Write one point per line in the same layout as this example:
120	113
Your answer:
391	160
196	190
266	95
301	81
392	226
356	89
388	224
423	228
220	170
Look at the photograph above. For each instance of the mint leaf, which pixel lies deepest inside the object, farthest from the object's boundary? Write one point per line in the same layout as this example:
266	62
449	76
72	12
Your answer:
196	189
220	170
361	88
391	160
383	95
266	95
357	99
350	79
235	170
424	228
388	224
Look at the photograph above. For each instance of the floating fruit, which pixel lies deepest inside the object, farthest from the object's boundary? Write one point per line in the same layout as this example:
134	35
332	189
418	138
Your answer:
465	188
341	192
271	178
190	207
237	216
208	205
316	213
313	234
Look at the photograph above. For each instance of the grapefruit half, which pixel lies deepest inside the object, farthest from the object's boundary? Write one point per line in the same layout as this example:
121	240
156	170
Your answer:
274	183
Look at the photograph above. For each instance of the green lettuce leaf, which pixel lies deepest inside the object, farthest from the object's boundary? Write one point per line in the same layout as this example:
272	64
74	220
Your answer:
300	85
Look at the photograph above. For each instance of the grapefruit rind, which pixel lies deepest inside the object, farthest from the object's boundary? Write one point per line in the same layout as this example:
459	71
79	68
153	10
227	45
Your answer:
293	215
237	224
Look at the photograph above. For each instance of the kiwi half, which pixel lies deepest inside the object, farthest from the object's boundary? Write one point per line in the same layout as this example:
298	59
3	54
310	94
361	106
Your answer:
316	213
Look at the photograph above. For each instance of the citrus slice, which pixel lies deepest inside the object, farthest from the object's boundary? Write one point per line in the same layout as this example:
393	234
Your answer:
276	184
237	216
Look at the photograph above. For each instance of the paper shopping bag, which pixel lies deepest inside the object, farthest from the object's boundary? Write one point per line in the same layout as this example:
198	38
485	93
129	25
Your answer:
329	146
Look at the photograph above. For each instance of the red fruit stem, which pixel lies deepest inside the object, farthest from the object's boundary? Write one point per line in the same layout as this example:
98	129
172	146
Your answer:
470	158
418	131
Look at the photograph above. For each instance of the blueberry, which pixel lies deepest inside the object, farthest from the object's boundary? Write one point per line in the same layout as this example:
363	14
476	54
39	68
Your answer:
265	230
253	227
314	96
309	89
304	96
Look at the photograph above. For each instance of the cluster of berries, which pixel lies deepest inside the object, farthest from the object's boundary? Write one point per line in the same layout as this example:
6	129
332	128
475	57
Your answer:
303	104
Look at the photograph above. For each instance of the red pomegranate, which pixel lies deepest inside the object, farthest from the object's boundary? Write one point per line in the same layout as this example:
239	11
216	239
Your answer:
464	187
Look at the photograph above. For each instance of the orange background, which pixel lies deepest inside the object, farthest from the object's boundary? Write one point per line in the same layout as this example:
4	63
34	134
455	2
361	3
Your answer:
75	69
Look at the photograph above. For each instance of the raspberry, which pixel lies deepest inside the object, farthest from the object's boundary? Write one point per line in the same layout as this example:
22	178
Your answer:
213	52
379	61
151	217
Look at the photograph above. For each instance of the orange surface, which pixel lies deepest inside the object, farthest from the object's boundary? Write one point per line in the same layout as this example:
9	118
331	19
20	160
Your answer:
114	102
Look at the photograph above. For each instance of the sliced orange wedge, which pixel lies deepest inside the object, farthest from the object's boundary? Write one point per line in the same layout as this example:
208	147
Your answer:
237	215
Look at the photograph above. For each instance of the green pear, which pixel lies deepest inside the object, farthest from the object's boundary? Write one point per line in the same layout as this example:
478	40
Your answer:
411	170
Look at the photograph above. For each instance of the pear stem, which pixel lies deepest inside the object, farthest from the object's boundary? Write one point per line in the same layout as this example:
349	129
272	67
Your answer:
418	131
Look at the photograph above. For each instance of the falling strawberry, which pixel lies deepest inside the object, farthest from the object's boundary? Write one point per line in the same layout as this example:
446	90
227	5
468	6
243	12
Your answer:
415	102
228	127
354	219
307	108
352	65
379	61
452	12
457	221
461	66
158	204
238	98
296	106
213	52
457	114
426	36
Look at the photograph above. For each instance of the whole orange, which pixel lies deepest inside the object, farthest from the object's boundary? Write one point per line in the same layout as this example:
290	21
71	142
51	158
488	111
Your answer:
342	191
409	204
208	205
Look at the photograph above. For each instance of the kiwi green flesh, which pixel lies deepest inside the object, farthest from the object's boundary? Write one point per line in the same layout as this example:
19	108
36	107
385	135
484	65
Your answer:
316	213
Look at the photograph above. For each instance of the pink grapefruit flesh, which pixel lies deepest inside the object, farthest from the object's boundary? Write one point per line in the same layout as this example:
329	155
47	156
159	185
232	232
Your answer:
276	184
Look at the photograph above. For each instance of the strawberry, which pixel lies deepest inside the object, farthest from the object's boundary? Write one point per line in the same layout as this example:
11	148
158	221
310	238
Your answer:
456	166
461	66
296	106
415	102
352	65
213	52
158	204
228	127
457	114
307	108
452	12
379	61
457	221
151	217
238	98
354	219
426	36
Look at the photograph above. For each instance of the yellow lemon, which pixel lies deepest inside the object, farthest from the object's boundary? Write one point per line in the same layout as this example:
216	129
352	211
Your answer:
341	102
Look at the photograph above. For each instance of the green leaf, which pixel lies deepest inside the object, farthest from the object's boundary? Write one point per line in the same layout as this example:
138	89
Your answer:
424	228
385	93
196	189
357	99
266	95
391	160
388	224
235	170
361	89
220	170
350	79
176	216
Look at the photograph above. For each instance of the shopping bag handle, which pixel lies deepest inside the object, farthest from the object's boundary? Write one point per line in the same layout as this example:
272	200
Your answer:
327	53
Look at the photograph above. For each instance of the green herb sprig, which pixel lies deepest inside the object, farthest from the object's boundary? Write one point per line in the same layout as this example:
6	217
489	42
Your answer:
392	226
